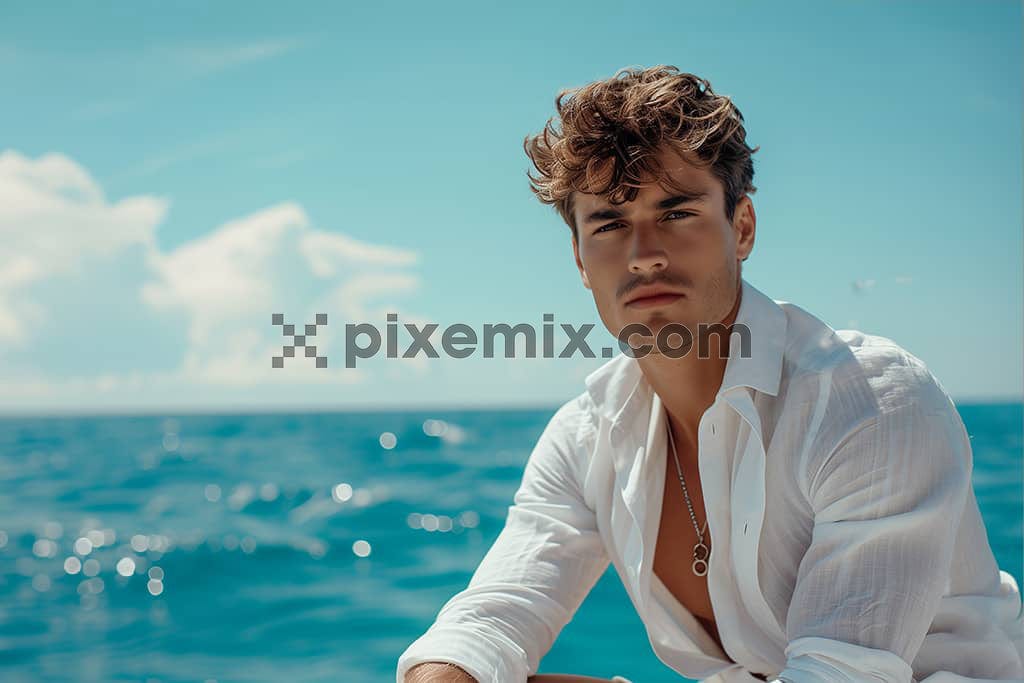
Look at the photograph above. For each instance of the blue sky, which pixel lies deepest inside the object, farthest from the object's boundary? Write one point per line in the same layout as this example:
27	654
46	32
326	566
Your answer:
171	174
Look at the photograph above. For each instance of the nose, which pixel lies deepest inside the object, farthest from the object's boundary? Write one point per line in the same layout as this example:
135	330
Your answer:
647	252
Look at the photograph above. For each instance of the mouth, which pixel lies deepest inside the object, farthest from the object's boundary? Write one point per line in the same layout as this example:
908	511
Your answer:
654	300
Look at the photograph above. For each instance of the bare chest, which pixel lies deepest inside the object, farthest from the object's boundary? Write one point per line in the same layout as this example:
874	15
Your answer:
674	549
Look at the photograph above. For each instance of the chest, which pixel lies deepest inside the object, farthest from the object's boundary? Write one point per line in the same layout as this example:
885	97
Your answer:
674	549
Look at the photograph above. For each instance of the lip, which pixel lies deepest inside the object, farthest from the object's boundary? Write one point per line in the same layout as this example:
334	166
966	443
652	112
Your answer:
645	297
654	300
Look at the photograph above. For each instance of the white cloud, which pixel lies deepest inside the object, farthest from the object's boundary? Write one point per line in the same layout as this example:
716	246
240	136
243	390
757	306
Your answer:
349	297
55	219
232	280
239	269
330	252
100	109
133	79
223	274
224	285
181	154
283	159
217	57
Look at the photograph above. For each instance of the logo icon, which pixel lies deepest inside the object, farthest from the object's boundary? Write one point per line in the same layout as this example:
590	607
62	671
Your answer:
298	340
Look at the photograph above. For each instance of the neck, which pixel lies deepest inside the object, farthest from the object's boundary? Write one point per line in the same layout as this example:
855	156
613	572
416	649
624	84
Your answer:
687	386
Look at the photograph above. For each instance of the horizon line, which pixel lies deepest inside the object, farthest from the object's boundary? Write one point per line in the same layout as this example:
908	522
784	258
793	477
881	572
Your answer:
299	409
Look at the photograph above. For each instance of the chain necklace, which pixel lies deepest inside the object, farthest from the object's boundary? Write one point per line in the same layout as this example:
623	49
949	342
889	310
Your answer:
700	551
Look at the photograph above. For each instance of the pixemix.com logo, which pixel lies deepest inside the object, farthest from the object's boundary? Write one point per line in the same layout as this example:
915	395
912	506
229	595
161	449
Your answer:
298	341
363	340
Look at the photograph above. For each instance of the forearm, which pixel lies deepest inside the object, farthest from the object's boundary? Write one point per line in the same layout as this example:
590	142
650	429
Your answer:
437	672
443	672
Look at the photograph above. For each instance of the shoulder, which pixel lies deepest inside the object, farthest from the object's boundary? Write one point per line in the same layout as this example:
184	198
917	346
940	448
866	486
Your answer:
569	431
858	376
556	462
846	390
571	417
880	379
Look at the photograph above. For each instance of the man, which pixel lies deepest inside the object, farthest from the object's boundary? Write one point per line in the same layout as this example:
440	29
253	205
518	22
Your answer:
830	468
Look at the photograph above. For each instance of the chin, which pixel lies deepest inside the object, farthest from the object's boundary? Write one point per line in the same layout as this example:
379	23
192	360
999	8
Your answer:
656	320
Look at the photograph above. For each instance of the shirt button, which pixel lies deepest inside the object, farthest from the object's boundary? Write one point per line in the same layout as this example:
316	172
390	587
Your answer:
712	427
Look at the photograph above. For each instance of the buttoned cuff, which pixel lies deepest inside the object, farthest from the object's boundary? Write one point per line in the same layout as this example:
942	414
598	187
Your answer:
812	659
467	649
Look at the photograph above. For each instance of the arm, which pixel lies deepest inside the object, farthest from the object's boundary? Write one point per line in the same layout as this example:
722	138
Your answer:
887	500
437	672
534	577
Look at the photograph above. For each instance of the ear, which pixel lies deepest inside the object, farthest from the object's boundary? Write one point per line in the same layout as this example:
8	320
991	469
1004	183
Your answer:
579	263
744	224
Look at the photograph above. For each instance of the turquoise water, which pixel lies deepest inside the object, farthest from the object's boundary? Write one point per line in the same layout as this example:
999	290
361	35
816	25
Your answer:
300	547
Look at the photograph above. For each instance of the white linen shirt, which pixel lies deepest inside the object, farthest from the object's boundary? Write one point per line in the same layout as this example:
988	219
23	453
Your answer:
847	544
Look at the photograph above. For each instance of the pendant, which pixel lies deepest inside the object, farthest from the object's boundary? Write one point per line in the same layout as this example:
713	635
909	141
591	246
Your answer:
700	555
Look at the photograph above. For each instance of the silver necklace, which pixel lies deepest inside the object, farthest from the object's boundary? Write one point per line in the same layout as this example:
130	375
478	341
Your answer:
700	551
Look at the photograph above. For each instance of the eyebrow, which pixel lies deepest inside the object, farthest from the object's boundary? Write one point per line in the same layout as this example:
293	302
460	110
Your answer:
668	203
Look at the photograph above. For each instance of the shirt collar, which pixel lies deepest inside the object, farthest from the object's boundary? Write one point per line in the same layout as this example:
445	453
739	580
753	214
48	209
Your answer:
617	384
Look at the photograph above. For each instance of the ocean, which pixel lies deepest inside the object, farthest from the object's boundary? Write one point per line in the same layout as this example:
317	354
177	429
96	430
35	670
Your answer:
301	547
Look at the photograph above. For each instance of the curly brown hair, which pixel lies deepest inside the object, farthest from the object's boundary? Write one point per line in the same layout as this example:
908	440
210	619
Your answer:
612	129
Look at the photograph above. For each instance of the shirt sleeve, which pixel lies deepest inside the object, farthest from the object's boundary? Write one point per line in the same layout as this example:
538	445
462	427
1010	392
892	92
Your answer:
535	575
887	498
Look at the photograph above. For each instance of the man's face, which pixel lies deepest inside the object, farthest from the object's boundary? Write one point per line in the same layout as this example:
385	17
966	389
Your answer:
681	242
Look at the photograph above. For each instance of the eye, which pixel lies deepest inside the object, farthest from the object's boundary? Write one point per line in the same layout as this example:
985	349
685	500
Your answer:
679	213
